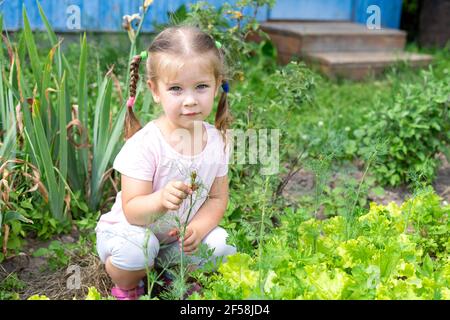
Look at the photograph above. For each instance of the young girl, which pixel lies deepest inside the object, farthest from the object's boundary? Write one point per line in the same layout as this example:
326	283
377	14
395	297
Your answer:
174	169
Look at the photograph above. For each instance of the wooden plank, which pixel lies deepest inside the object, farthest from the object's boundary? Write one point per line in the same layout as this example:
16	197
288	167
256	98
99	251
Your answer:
359	65
151	16
373	58
97	15
286	44
66	15
352	43
12	14
295	37
110	15
157	13
93	11
390	10
312	10
56	13
89	16
304	28
33	13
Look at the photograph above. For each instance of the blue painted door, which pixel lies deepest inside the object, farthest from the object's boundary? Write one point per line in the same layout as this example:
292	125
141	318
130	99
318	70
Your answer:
312	10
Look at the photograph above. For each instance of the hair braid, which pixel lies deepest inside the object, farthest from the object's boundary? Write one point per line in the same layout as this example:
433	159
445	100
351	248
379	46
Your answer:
223	116
134	74
132	124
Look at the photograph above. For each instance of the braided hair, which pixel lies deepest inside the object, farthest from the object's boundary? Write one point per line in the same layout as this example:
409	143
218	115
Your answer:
132	124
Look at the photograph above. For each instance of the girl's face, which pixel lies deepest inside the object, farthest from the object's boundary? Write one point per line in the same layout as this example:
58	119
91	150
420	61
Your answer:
189	95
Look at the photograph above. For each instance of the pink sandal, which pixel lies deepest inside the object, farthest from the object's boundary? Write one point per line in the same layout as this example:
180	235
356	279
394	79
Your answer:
131	294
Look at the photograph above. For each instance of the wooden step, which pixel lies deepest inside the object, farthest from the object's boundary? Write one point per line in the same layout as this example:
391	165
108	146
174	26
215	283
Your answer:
296	37
358	65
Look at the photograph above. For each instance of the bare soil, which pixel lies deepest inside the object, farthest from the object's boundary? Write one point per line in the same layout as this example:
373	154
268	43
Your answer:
302	183
40	279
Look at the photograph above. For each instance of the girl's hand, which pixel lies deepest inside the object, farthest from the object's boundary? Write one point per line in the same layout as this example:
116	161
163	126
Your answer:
192	239
173	194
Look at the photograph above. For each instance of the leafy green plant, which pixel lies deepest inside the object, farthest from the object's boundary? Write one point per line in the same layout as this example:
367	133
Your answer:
415	126
56	253
13	213
256	104
55	132
7	220
38	297
45	225
92	294
312	259
230	24
429	222
10	286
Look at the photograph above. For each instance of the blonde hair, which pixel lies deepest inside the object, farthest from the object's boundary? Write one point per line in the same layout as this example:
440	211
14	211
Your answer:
169	50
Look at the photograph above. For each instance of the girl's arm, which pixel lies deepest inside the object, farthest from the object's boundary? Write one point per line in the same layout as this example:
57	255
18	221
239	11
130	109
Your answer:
213	209
140	205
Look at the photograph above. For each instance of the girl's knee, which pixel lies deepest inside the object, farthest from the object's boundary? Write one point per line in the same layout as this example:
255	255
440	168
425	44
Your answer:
132	254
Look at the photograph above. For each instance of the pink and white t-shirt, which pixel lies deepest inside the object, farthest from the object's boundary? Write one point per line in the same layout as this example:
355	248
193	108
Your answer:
148	156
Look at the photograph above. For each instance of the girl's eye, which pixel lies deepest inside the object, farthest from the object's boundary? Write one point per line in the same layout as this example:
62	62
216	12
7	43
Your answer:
202	86
175	88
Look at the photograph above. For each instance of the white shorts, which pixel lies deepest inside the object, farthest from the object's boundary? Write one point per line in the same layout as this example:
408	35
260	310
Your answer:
125	244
